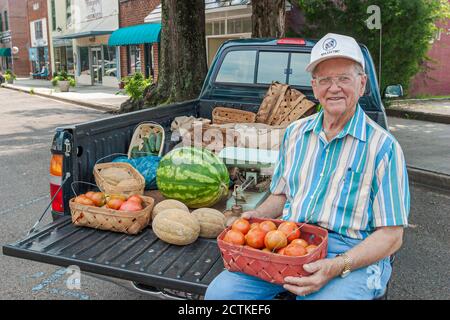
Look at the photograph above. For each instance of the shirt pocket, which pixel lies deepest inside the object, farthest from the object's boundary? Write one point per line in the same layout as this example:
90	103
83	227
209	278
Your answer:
356	186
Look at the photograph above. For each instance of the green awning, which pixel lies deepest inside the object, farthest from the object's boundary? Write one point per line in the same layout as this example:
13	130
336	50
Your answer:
5	52
139	34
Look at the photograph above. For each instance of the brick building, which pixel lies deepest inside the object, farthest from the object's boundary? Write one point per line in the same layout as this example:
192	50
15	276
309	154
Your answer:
39	51
437	80
138	57
14	37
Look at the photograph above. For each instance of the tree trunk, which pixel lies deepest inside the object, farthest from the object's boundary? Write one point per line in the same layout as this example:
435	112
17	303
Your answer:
182	66
268	18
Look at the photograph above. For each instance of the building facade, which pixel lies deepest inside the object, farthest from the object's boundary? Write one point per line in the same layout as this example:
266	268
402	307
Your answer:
80	33
39	51
138	57
436	81
61	50
14	37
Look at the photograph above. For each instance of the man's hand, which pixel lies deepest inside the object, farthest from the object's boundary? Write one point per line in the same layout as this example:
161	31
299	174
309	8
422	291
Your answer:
251	214
322	272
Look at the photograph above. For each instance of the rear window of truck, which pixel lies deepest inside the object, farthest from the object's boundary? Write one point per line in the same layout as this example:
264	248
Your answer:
264	67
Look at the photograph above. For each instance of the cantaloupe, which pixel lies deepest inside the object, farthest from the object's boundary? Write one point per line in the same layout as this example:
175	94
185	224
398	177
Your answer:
168	204
176	226
212	222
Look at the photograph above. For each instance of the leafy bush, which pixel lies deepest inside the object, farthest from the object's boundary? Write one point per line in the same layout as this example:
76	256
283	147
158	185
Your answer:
9	75
63	76
135	85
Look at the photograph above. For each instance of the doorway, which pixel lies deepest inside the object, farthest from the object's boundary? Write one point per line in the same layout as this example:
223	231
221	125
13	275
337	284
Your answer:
97	65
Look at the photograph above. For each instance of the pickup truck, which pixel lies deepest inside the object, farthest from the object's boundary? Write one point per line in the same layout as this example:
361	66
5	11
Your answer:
239	78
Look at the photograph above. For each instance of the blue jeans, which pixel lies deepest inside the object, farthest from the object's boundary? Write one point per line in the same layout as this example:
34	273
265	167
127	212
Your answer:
362	284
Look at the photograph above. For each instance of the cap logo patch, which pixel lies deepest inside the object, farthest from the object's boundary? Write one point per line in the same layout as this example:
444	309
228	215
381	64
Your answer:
329	44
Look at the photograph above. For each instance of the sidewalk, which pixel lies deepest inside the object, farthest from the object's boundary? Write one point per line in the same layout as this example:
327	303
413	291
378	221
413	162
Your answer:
434	110
426	146
97	97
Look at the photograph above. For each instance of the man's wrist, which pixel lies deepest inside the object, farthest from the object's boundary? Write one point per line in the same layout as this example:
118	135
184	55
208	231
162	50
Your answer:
345	264
339	266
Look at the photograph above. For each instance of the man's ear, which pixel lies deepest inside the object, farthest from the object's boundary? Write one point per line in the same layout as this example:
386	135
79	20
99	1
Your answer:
363	85
314	88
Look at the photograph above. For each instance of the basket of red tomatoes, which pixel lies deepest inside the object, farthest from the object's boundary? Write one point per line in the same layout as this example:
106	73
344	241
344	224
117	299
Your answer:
271	249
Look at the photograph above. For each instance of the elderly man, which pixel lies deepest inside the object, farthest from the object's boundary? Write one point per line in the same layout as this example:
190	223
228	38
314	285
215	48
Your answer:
340	170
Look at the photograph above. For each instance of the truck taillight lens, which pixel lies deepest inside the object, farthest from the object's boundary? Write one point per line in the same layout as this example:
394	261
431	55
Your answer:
57	204
56	172
56	165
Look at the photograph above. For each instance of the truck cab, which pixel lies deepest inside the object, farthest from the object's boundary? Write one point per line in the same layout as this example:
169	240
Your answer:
239	77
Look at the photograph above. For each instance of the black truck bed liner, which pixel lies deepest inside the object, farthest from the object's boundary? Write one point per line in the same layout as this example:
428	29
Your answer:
143	258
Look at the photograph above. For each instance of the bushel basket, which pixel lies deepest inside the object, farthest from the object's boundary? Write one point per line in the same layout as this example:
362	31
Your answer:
273	267
129	222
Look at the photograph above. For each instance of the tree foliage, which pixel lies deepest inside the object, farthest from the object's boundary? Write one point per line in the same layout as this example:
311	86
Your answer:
408	26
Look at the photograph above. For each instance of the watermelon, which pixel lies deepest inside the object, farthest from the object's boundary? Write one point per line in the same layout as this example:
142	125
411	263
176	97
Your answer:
194	176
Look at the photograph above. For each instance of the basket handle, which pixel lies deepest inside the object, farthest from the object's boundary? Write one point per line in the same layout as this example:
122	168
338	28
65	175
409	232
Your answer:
71	185
112	154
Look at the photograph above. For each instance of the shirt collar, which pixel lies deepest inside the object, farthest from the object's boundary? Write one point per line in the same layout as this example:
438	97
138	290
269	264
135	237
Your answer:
355	127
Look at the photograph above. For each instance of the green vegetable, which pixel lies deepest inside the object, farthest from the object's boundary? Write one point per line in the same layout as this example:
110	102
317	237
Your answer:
135	152
152	142
146	149
158	141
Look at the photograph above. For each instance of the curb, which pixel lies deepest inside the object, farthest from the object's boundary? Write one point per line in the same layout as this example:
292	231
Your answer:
418	115
99	107
429	178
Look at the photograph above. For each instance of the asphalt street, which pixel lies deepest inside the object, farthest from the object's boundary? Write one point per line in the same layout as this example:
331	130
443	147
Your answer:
27	125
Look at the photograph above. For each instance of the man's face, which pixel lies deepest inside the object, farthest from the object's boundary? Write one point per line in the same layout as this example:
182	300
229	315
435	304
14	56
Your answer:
338	86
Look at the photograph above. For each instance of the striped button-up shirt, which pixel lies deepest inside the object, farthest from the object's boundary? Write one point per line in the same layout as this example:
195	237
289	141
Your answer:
351	185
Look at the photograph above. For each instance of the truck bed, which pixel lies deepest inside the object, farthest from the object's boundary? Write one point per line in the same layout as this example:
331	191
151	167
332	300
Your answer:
142	258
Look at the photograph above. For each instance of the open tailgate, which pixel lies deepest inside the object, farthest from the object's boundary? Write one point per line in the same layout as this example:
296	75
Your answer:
143	258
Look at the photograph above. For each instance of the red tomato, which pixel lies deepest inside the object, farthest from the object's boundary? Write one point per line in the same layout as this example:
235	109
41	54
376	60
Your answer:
301	242
267	226
281	251
234	237
275	240
242	225
295	250
255	238
290	229
136	198
311	248
254	225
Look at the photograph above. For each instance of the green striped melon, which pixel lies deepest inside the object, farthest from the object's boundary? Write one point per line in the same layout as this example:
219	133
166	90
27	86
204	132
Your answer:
194	176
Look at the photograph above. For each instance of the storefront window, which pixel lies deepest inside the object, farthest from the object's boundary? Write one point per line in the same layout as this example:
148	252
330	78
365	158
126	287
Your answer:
110	61
134	61
239	25
215	28
84	61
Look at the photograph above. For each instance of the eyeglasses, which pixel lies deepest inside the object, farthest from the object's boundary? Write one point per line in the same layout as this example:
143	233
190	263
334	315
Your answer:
341	81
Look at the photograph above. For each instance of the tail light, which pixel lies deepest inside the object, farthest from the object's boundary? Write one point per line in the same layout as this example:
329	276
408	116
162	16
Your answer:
296	41
56	171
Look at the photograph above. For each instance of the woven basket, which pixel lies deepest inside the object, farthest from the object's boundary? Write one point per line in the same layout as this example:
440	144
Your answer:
221	115
143	130
273	267
129	222
110	188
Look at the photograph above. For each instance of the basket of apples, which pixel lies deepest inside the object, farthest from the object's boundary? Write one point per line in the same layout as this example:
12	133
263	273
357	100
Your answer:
113	212
271	249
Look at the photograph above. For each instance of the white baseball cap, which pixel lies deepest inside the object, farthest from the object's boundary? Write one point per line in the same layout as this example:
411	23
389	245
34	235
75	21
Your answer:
335	46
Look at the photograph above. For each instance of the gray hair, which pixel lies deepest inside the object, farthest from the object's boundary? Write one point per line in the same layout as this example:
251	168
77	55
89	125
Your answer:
357	67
